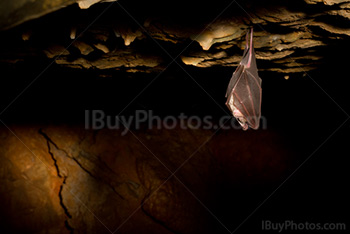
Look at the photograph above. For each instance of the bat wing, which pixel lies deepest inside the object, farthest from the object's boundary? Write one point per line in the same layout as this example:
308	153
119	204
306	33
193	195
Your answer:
244	90
234	79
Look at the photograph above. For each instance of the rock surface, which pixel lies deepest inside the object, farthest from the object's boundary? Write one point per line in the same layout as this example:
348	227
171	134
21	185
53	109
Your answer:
13	13
58	179
288	38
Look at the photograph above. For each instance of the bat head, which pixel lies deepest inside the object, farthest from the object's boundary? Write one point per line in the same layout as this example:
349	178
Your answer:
244	121
241	119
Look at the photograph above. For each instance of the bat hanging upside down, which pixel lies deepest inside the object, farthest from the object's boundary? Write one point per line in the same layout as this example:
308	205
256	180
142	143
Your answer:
244	90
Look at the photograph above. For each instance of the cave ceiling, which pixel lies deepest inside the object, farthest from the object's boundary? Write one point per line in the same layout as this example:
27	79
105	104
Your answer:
290	36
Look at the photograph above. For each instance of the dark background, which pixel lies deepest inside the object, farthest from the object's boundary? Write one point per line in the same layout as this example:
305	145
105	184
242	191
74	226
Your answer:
307	109
297	108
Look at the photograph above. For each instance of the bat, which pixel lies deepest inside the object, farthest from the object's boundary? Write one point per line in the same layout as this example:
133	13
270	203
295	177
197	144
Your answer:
244	89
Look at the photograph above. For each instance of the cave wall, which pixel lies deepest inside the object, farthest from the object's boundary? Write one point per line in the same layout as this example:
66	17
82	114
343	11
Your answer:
73	180
290	37
57	177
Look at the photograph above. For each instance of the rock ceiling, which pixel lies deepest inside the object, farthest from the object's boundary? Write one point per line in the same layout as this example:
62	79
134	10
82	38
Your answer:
289	38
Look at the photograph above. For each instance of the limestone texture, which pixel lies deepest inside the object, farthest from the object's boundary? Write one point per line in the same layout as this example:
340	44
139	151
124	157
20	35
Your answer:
147	37
63	179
